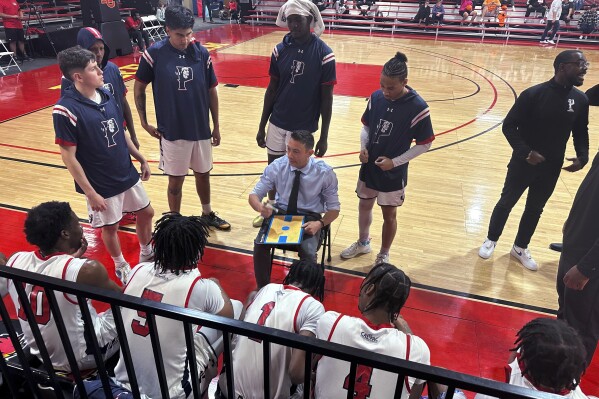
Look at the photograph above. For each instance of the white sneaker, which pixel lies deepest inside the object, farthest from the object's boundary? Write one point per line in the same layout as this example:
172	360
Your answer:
580	37
550	42
122	272
523	255
486	250
543	42
355	249
381	258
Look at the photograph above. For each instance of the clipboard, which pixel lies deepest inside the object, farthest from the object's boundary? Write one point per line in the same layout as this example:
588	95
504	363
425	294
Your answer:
283	230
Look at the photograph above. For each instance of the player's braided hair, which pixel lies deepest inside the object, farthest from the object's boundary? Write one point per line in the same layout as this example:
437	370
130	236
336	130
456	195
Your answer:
392	288
179	242
552	353
397	66
45	223
307	275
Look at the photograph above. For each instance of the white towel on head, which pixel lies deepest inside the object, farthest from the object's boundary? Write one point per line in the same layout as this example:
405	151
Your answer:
301	7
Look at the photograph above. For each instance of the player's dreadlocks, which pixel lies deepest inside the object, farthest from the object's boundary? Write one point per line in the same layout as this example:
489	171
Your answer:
396	67
307	275
551	353
179	242
392	288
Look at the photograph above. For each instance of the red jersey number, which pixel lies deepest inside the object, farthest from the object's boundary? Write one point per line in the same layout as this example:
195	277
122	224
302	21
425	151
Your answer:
266	310
39	306
362	387
140	327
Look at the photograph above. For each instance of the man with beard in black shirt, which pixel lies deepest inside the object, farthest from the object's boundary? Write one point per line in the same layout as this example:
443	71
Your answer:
538	128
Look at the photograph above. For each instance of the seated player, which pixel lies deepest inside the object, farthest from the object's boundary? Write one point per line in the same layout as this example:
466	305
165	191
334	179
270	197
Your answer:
383	293
173	278
55	230
549	356
288	307
304	186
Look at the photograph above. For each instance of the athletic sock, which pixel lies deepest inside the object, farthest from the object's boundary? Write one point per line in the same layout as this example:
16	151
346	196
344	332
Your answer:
118	259
206	209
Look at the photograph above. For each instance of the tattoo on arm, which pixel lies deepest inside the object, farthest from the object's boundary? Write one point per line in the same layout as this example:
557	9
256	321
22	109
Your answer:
140	104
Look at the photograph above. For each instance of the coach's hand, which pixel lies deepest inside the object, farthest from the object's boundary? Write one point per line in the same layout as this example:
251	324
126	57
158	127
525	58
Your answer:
574	166
364	155
261	138
145	171
321	148
153	131
216	136
534	158
575	280
81	250
97	202
312	227
384	163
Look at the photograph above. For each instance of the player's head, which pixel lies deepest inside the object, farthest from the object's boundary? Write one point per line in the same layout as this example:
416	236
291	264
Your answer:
394	77
179	22
570	67
300	148
91	39
53	227
79	65
384	288
552	355
308	276
299	26
179	242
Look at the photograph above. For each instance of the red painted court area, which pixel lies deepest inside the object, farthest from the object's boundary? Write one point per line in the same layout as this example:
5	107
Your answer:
464	335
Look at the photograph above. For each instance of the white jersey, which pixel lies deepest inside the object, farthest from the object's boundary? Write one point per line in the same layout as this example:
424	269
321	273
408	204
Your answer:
188	290
516	378
65	267
332	374
279	306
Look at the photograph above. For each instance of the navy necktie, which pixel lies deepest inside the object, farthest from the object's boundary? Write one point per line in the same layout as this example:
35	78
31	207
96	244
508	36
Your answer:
292	205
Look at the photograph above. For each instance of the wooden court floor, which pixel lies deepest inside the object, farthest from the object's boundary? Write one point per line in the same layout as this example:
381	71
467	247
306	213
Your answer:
452	189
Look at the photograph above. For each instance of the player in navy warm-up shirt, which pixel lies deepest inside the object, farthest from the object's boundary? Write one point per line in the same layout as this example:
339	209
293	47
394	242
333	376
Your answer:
184	88
89	129
395	116
300	91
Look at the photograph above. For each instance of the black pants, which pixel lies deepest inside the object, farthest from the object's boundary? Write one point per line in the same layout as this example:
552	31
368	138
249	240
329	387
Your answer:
538	8
580	309
137	35
540	181
554	26
422	14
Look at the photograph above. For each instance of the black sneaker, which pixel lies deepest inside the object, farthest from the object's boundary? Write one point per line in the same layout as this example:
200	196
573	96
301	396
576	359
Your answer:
215	221
27	58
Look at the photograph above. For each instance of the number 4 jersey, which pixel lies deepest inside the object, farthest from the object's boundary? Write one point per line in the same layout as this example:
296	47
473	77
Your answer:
283	307
332	375
65	267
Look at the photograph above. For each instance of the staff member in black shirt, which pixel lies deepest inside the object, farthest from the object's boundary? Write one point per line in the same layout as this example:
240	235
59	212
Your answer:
538	128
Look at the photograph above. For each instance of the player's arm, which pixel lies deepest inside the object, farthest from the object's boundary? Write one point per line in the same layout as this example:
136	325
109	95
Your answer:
94	273
67	153
139	93
227	309
297	363
145	167
580	136
416	391
326	110
269	103
214	113
128	115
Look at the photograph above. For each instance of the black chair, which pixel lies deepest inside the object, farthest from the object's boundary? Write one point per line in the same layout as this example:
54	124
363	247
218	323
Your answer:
324	244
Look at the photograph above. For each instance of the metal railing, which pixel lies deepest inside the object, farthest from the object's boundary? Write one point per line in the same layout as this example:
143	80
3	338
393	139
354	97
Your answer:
189	318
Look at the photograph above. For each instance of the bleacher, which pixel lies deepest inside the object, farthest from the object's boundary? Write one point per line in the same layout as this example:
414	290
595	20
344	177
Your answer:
394	16
41	380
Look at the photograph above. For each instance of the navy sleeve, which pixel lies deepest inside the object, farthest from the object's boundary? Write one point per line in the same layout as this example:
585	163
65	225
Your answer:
366	114
329	68
65	126
145	70
422	127
273	70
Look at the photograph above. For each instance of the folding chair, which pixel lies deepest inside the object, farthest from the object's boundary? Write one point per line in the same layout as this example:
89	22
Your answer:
153	27
11	62
324	244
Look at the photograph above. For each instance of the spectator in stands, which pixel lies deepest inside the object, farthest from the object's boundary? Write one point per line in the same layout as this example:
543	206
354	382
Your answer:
97	152
364	6
423	14
135	27
438	12
173	278
11	15
537	6
548	357
289	307
341	8
588	21
490	10
244	9
552	21
233	10
567	11
315	186
381	329
55	230
160	12
467	10
502	16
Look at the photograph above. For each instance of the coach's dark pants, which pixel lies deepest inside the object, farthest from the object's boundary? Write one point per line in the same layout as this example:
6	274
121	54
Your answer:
580	309
540	181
